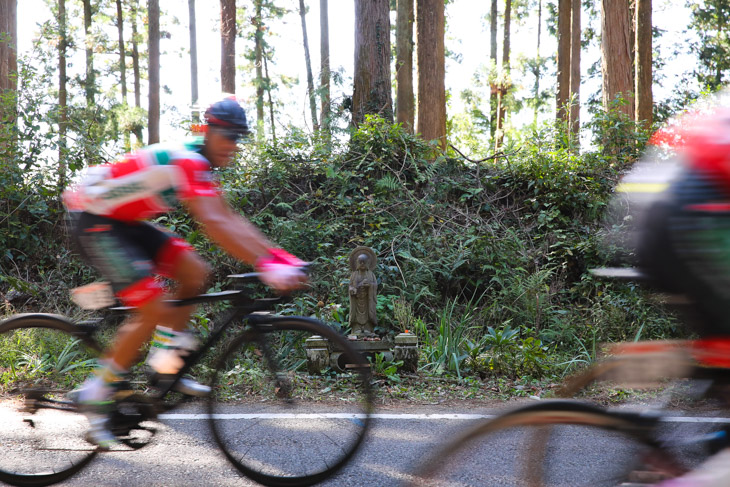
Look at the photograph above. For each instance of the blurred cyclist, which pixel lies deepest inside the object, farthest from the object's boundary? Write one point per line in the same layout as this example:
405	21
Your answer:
684	240
111	206
684	233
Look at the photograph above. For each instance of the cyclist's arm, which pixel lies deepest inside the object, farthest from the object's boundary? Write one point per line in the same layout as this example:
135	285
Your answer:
234	233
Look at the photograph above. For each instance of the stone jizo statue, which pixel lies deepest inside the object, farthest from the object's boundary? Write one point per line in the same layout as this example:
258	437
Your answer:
363	291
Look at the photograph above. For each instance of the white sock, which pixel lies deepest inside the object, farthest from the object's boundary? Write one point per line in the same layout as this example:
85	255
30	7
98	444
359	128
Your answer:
168	347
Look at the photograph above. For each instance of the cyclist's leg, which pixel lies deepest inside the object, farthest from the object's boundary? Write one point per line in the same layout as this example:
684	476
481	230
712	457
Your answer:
173	339
96	394
178	261
135	332
122	253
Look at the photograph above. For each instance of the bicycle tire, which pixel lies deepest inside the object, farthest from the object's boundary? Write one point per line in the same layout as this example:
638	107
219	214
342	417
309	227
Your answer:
288	441
42	357
548	444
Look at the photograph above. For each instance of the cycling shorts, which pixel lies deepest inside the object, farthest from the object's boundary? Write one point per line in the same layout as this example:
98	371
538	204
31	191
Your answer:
130	255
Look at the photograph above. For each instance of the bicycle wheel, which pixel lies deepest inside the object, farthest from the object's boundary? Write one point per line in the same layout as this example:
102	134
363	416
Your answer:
291	435
42	357
555	444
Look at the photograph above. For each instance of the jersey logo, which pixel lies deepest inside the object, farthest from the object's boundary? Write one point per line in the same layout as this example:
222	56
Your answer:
121	191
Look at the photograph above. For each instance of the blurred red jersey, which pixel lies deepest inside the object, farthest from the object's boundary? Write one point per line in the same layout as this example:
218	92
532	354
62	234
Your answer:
144	184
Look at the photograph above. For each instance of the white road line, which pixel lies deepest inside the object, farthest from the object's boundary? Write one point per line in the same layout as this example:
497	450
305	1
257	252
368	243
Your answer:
404	417
690	419
420	417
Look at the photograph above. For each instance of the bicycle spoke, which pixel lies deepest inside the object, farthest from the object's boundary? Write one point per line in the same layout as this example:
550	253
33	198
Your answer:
44	438
540	447
297	436
42	432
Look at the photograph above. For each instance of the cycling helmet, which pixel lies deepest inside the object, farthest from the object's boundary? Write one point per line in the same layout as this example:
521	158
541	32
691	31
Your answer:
229	115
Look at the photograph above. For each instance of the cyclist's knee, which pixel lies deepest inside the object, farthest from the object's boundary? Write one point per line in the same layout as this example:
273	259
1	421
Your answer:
153	310
192	272
144	319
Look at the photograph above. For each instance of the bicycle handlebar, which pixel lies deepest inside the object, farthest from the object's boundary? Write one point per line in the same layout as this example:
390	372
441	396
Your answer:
247	277
255	276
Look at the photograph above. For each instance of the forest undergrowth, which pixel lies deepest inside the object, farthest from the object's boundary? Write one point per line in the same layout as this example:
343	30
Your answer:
487	262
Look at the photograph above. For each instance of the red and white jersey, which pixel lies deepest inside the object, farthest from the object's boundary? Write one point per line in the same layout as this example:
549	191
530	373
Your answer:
144	184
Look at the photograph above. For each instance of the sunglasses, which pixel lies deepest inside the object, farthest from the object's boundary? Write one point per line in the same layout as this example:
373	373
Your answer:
230	133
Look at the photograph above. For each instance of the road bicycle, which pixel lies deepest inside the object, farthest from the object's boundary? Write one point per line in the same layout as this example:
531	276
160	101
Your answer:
572	443
260	360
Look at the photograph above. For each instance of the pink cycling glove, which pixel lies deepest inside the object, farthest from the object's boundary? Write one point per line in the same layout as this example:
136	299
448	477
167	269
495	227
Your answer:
280	269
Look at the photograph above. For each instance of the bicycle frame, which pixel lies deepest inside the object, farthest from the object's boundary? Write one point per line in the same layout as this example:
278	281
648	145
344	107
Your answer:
242	307
262	354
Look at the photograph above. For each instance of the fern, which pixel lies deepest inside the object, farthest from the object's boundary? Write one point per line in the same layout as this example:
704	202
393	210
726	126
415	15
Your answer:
388	183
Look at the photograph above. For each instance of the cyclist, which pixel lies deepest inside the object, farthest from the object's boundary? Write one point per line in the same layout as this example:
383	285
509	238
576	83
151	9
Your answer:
111	206
684	236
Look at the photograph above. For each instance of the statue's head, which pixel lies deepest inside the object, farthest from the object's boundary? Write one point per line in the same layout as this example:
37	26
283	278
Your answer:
362	262
362	259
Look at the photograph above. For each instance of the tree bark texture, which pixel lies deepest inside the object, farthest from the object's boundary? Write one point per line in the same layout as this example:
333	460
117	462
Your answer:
616	57
644	76
493	14
62	95
632	32
123	67
431	70
324	73
575	37
536	87
371	94
193	31
122	51
90	88
404	107
90	82
271	101
228	46
135	57
258	55
504	88
308	62
563	62
134	9
153	127
8	58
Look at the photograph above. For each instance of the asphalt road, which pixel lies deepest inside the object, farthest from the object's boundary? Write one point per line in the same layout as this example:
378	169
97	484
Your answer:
184	454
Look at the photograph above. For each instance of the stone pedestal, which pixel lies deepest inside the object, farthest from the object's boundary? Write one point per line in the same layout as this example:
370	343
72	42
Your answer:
318	354
406	349
370	348
322	354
